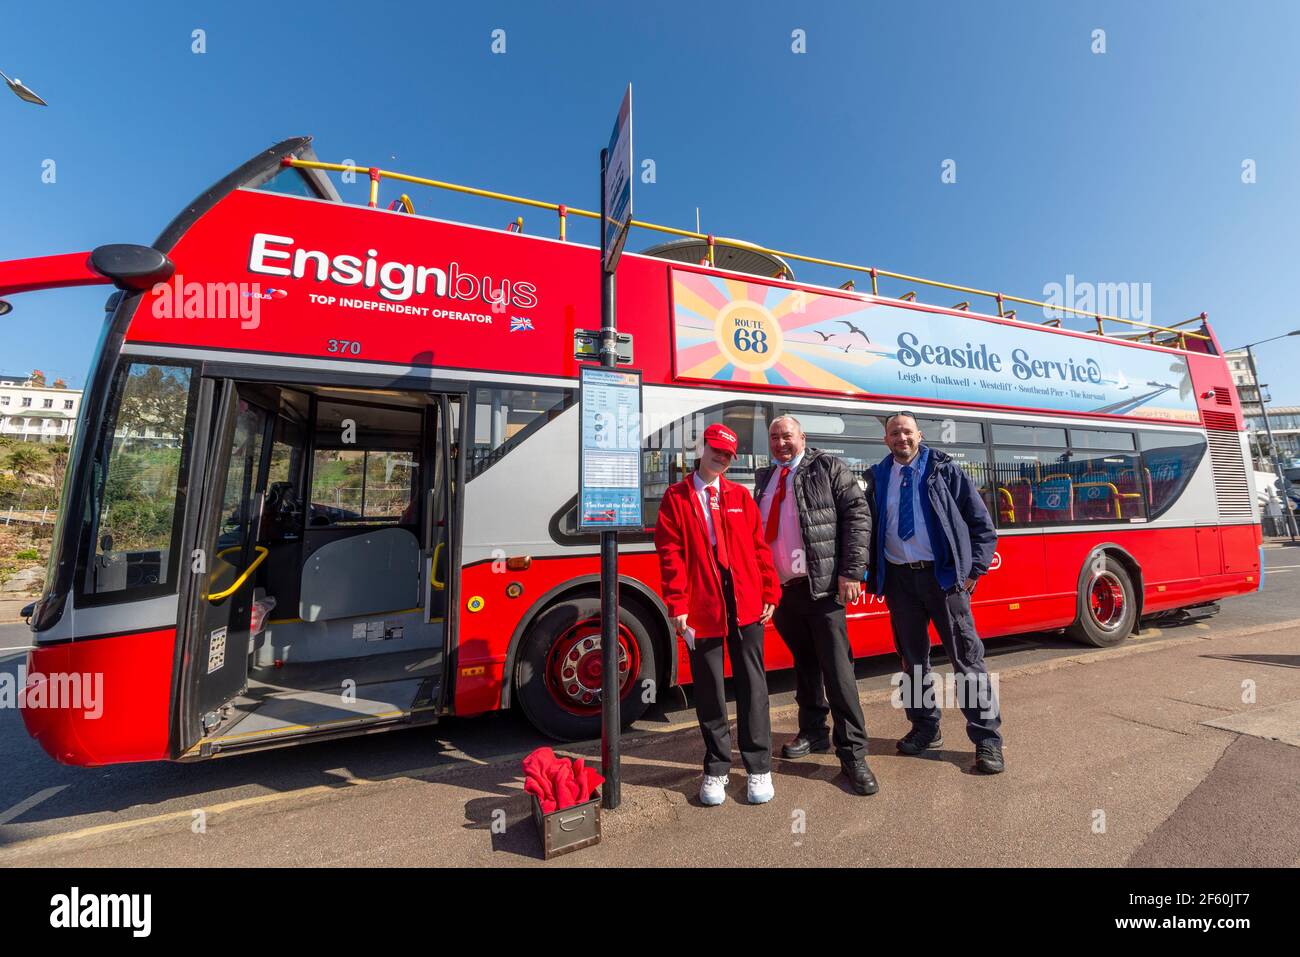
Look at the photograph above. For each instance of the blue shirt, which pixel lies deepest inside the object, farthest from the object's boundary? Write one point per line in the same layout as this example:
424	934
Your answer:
918	547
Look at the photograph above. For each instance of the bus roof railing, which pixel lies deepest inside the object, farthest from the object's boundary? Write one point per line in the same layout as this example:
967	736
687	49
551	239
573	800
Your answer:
563	211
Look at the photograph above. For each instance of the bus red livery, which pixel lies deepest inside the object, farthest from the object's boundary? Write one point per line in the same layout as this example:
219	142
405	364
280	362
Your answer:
324	479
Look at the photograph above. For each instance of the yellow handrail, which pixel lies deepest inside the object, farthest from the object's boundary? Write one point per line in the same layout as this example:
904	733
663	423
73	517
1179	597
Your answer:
563	210
433	569
261	557
1011	503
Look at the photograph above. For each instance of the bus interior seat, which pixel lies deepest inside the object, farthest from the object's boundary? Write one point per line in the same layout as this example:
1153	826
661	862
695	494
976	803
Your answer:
355	596
1022	499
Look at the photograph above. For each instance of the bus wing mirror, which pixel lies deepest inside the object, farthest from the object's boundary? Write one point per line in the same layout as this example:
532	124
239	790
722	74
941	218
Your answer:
131	268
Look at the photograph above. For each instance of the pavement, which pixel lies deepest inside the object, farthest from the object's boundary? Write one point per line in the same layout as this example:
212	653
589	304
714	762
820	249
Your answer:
11	608
1181	751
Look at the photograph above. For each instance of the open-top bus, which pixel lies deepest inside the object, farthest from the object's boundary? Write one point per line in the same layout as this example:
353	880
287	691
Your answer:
324	480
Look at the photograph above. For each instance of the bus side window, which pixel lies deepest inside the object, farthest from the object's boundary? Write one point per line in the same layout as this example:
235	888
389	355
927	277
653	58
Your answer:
138	494
1169	459
668	452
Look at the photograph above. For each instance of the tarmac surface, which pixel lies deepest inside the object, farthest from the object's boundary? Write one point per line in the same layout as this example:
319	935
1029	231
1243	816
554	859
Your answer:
1180	747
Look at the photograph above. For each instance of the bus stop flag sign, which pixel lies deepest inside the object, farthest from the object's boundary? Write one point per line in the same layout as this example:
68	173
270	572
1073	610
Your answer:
617	184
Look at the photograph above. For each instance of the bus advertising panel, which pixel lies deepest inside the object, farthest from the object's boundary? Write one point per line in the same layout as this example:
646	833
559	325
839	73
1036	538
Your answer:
739	330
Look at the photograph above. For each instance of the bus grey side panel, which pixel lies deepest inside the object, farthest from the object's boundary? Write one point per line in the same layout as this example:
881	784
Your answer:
375	572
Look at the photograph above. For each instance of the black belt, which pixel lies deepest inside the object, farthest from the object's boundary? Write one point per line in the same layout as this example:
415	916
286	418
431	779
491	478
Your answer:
801	580
912	565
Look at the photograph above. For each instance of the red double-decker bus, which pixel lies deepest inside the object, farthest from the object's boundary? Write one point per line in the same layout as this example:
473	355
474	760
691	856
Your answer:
324	480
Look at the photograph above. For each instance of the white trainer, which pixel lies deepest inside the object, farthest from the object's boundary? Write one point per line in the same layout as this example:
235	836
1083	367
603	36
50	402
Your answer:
760	788
714	789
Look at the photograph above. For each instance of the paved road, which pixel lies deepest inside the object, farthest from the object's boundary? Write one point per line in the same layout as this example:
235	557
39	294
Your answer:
40	800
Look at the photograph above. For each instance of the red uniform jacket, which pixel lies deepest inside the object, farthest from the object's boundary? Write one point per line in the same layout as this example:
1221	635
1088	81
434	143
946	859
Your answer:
690	581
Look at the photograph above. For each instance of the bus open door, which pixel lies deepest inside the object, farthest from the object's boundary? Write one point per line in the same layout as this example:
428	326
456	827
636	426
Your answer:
324	555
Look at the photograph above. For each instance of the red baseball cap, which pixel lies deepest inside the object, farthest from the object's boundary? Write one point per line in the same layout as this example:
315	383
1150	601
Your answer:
720	437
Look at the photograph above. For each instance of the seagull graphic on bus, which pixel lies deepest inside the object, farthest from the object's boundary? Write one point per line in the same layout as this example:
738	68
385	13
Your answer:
853	329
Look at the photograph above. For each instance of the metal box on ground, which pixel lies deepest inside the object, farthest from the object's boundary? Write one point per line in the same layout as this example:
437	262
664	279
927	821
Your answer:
568	829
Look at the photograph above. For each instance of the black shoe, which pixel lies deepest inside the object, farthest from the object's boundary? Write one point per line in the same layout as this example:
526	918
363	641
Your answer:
988	758
860	776
919	740
801	746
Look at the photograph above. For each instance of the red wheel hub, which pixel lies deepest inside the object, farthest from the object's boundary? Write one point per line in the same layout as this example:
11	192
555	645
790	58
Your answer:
575	671
1106	601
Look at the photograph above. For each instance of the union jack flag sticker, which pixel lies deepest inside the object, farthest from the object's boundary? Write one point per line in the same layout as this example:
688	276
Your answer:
520	324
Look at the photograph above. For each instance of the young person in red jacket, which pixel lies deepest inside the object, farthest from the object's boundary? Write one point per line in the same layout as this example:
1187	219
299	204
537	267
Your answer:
720	587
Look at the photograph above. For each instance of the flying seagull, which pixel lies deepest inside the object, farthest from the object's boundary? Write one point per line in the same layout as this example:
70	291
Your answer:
22	91
853	329
825	338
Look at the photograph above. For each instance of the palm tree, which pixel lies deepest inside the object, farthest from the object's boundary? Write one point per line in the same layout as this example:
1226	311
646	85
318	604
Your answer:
23	461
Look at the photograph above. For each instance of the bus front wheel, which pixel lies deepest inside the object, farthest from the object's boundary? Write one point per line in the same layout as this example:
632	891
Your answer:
559	674
1107	604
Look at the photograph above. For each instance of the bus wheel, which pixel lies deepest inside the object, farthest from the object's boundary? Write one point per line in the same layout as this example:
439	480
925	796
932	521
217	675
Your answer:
1107	606
559	672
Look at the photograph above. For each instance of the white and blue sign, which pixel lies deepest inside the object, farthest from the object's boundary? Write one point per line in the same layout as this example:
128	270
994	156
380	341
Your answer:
1053	495
617	184
609	495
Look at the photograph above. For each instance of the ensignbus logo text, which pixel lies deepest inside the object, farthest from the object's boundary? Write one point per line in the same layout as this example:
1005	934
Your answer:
271	255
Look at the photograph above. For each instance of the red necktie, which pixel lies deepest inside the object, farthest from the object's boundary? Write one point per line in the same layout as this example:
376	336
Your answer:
774	514
718	528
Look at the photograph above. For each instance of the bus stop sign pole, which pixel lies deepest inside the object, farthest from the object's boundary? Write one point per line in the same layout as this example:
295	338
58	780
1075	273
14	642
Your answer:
611	793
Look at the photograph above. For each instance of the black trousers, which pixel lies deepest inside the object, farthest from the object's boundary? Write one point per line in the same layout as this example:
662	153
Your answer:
749	676
817	634
915	600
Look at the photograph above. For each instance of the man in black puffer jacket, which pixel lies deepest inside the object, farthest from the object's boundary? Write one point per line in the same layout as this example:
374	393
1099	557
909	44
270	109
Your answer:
818	524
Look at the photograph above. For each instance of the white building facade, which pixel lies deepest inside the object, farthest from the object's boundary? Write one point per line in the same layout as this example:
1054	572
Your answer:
33	411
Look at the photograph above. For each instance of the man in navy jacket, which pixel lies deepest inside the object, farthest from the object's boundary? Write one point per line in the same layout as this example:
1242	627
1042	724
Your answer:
933	540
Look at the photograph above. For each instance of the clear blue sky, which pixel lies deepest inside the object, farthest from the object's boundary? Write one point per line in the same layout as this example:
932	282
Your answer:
1117	167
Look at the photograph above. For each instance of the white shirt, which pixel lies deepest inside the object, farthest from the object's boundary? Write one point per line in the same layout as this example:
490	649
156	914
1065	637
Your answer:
702	493
917	548
787	549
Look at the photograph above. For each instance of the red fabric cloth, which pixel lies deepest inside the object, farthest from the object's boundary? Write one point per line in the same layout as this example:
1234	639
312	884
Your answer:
537	780
558	782
688	575
589	779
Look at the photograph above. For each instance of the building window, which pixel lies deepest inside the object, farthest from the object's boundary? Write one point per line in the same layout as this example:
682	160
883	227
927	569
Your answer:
4	400
67	403
47	403
27	401
370	481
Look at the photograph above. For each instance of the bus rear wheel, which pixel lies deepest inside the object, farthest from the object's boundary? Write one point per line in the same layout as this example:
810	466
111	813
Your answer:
560	671
1107	605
